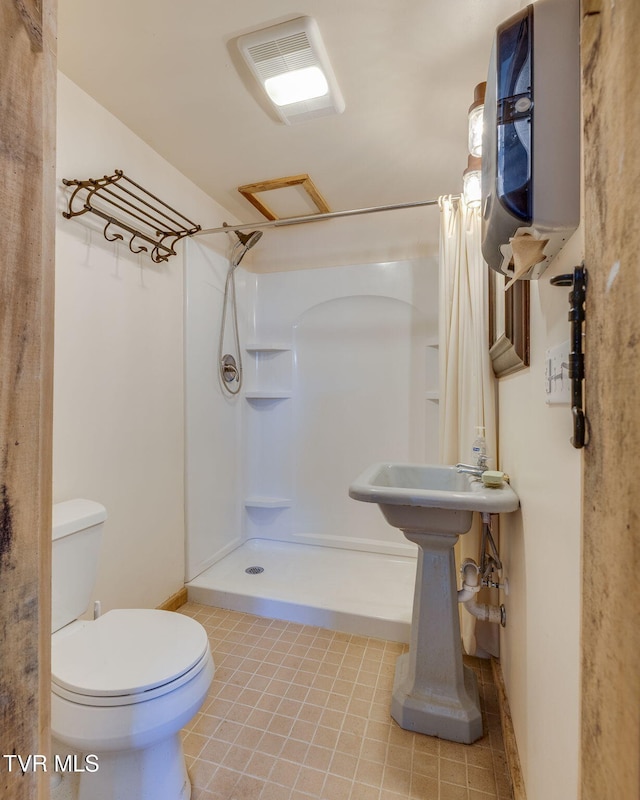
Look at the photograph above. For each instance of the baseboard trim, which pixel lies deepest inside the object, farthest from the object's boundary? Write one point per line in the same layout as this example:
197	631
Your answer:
176	600
508	734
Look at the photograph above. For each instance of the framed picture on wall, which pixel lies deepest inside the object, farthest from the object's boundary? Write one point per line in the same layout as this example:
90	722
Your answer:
508	325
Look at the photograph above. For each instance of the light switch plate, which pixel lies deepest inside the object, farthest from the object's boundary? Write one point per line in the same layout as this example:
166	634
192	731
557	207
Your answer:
556	374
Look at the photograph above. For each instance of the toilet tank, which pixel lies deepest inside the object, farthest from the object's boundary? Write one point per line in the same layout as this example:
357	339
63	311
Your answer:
77	534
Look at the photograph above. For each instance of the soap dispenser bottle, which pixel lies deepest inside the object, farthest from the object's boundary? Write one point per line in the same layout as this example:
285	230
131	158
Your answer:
479	446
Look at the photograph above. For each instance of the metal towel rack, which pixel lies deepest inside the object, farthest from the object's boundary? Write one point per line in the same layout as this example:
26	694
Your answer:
138	212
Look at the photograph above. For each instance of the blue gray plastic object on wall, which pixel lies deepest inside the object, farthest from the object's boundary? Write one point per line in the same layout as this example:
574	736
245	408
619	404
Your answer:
531	140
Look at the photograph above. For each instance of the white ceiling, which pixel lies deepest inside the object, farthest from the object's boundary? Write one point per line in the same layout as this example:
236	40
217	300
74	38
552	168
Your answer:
407	68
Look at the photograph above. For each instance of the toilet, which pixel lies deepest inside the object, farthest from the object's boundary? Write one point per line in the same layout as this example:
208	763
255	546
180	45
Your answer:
122	685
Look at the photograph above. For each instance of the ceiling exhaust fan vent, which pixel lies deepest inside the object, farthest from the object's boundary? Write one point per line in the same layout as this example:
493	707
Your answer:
282	55
291	52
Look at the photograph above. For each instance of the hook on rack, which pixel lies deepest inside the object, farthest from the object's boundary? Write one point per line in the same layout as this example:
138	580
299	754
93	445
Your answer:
156	256
141	249
115	237
577	316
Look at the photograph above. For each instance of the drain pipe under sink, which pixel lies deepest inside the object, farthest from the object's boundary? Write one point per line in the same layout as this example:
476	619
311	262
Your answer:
467	595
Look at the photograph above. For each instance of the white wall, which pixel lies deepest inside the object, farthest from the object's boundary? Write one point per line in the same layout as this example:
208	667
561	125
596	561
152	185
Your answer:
404	235
357	374
118	413
541	550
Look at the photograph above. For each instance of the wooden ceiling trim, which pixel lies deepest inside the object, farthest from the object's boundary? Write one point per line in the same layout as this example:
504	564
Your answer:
250	190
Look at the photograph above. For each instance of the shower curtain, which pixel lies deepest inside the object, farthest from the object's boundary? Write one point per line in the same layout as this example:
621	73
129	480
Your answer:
467	383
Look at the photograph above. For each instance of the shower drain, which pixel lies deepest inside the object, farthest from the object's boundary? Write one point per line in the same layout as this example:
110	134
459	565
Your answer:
254	570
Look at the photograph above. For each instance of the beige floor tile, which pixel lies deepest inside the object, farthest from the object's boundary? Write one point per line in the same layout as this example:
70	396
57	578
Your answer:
364	792
344	765
374	750
400	757
302	713
201	772
202	794
449	791
284	773
424	788
336	788
480	779
272	791
453	772
248	788
294	750
214	751
369	772
453	751
318	757
206	725
223	781
236	758
193	743
310	781
476	795
325	737
425	764
260	765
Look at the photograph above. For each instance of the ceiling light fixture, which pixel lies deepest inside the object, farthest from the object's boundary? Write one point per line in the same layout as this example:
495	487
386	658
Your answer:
476	111
291	63
297	86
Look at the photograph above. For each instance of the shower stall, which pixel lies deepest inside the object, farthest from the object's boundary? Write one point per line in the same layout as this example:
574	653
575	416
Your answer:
340	370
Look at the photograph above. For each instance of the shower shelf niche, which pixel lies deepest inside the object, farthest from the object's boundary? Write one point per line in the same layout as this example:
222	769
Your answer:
268	500
268	395
272	370
274	347
261	501
431	364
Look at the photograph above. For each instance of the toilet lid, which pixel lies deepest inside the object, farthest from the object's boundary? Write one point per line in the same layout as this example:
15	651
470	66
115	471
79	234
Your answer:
127	651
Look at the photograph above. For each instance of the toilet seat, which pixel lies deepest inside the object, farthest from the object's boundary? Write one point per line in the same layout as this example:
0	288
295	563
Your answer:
128	656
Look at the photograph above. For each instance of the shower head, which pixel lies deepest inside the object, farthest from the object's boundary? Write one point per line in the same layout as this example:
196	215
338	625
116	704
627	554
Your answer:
249	239
245	242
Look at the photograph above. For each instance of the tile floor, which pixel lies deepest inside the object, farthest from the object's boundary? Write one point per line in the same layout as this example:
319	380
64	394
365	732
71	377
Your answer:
297	712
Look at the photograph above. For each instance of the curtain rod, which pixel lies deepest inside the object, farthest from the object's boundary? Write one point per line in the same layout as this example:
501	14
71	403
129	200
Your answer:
276	223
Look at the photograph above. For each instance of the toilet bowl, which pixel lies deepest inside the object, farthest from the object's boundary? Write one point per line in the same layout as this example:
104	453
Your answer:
123	685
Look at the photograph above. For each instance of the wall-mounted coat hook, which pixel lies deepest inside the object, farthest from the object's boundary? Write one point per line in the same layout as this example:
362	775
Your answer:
116	236
140	249
577	298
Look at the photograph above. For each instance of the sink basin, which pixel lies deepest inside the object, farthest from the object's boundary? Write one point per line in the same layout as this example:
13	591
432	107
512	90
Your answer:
428	496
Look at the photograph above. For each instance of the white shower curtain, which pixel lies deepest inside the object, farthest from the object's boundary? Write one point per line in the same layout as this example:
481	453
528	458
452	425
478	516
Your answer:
467	383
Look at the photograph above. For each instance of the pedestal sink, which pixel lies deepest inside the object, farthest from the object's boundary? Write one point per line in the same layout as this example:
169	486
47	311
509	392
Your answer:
433	692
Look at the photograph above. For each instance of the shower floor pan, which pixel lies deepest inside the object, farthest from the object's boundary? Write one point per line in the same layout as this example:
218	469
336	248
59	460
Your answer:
369	594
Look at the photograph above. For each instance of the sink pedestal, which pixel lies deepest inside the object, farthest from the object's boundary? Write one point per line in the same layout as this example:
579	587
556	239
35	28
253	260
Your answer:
433	692
432	505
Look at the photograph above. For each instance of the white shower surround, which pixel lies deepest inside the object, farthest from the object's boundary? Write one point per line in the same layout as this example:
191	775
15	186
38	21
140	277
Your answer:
340	370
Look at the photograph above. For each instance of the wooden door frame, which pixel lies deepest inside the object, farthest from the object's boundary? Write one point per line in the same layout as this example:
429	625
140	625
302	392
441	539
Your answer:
27	214
610	691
